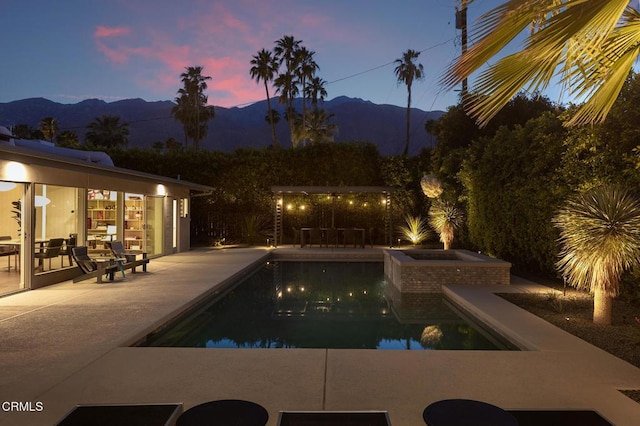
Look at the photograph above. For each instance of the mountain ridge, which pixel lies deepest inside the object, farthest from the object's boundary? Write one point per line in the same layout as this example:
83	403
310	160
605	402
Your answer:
232	128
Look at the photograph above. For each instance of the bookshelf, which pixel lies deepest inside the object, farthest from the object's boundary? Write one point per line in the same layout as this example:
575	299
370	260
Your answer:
134	222
101	218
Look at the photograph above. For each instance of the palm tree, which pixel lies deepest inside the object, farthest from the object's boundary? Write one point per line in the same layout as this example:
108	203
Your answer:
445	218
589	45
306	69
285	53
288	90
406	72
49	127
264	68
67	139
600	239
191	107
273	118
318	128
316	91
107	131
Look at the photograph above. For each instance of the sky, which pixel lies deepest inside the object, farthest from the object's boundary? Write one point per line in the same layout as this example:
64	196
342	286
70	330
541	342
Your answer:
71	50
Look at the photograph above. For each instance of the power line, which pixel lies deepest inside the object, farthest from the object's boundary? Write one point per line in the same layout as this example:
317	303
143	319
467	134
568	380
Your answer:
252	102
388	63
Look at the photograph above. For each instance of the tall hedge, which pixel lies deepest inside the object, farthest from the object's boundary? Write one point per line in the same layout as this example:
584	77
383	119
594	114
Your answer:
513	191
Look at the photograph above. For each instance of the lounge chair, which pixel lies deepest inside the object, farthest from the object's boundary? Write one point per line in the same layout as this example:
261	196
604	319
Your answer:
80	255
117	248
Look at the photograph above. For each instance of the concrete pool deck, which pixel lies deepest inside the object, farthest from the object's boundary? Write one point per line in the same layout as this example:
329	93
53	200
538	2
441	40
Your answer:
67	344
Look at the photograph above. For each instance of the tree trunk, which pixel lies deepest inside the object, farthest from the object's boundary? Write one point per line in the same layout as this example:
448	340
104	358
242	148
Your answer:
602	308
271	123
406	146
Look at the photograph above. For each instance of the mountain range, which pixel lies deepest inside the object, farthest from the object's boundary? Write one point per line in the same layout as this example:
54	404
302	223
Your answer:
232	128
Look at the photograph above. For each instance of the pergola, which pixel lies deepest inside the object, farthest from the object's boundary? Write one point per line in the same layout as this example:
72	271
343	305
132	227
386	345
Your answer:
333	193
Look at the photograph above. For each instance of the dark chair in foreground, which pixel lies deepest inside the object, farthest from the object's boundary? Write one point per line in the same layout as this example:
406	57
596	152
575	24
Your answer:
66	249
88	266
225	412
49	251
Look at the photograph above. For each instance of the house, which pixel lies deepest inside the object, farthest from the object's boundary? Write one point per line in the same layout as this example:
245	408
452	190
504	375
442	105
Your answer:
47	192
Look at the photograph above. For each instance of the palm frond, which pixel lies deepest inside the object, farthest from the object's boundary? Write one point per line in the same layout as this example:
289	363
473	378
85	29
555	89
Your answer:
589	45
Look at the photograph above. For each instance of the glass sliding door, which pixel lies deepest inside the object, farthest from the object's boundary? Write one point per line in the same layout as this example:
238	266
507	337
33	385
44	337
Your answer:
11	237
56	224
154	225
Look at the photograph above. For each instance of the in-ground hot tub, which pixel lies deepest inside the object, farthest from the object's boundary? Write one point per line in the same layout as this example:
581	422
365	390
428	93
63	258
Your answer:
425	271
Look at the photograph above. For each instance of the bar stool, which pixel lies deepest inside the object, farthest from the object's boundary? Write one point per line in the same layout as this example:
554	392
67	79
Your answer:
225	412
466	412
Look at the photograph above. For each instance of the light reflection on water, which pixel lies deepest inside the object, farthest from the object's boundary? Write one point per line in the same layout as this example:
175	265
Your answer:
346	305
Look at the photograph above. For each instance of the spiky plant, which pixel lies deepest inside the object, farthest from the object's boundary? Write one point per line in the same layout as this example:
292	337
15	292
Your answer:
415	229
445	218
600	239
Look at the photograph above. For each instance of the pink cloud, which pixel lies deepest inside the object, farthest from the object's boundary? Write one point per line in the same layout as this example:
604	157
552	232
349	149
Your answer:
231	84
315	21
221	38
114	55
102	31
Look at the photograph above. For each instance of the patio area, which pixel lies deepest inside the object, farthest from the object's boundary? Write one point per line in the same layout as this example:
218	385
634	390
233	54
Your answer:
68	344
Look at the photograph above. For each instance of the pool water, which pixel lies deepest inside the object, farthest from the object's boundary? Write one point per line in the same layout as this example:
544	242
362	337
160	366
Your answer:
336	305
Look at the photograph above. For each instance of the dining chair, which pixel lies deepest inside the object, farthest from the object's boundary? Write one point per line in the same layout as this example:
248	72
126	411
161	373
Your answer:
66	249
49	251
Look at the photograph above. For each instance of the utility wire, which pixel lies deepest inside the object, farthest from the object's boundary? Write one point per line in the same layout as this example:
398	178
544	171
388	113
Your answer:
388	63
252	102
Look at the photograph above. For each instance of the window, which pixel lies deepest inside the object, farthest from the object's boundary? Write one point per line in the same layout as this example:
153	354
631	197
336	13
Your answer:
56	224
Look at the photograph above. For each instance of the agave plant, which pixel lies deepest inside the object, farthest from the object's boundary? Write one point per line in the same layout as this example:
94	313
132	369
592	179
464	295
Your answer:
255	228
600	239
415	229
445	218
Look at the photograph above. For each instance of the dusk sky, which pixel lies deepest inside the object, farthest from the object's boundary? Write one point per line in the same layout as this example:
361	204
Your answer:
71	50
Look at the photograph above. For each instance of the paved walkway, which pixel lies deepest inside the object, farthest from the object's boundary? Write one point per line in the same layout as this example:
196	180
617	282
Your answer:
68	344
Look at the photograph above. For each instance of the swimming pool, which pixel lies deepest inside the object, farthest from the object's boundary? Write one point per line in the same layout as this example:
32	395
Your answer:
316	304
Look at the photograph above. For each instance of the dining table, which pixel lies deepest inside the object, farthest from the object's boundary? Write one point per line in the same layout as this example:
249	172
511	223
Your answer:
305	235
